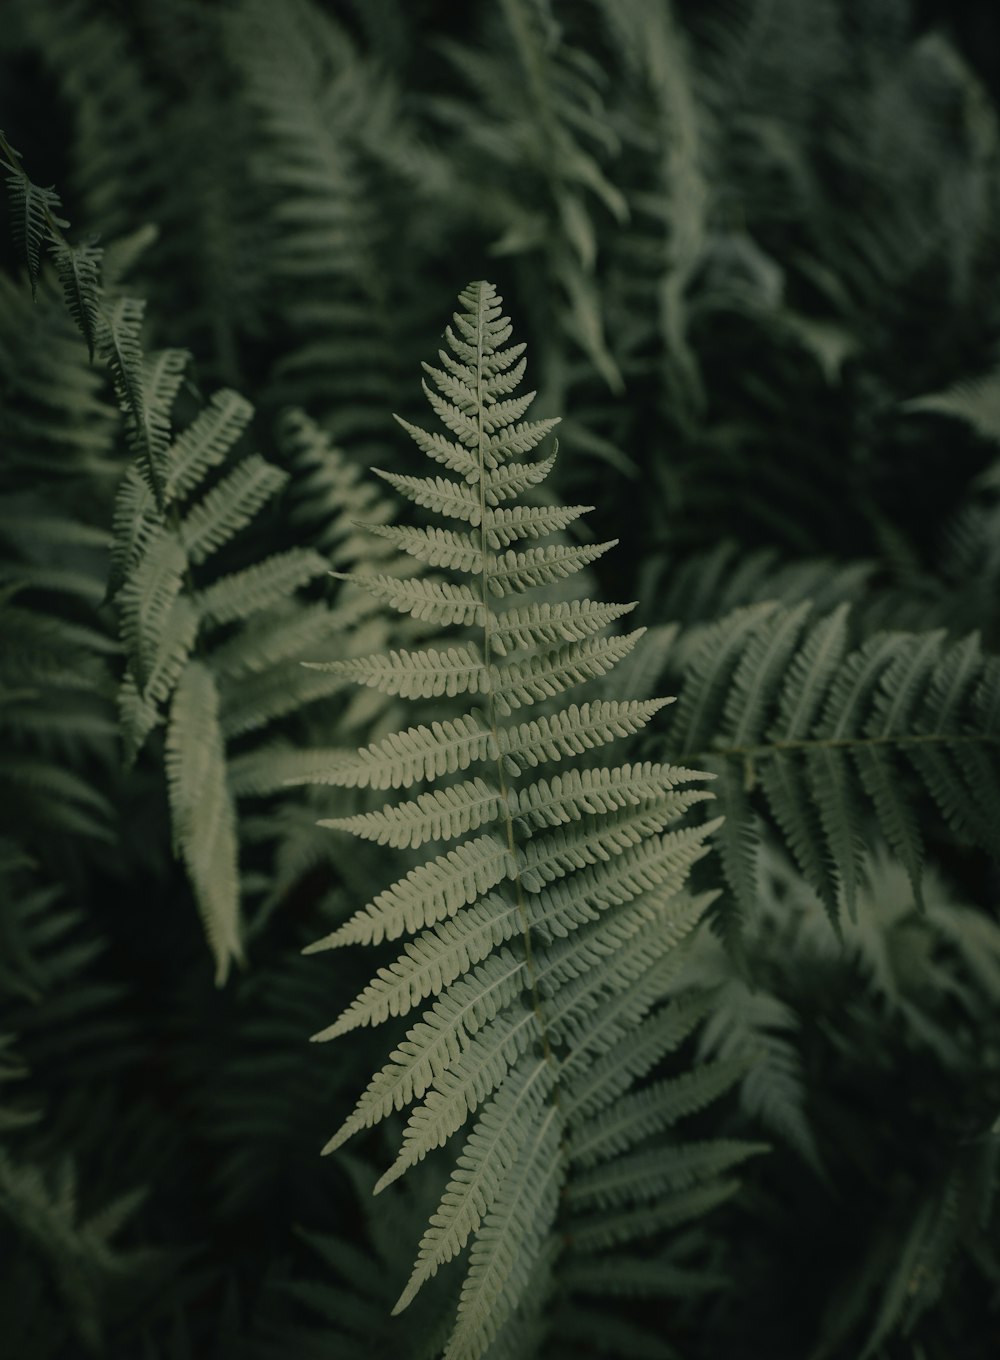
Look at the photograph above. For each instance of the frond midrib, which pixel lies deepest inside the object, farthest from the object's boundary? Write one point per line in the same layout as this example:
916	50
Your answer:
488	617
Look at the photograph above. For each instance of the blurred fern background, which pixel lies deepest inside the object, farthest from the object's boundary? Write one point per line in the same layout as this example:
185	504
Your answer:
754	249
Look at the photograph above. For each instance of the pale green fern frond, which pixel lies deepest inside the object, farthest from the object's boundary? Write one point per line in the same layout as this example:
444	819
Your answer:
545	940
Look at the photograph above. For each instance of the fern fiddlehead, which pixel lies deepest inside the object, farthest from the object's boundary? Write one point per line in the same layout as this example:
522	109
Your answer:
545	939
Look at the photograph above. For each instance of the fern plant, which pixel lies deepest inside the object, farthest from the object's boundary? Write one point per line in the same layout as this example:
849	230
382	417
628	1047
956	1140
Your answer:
544	939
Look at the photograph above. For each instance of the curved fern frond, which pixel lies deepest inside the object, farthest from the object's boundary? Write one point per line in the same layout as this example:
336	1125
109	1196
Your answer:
548	937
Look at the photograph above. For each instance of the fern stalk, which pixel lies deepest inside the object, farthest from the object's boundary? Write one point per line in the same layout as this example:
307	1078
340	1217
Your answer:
487	630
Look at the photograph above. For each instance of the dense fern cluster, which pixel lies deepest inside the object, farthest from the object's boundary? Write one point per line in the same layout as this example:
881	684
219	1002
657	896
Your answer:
653	947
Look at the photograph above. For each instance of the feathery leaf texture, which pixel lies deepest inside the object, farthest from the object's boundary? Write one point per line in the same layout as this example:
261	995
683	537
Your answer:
203	815
78	268
774	701
545	939
974	400
34	222
170	520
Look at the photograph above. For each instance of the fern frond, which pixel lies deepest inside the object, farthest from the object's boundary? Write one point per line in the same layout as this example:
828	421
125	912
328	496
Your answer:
574	730
537	625
435	1042
641	1176
550	935
455	457
485	1063
662	861
147	599
601	1232
33	215
429	963
565	798
436	547
140	707
642	1114
513	479
616	1051
510	1239
330	498
270	687
828	732
457	500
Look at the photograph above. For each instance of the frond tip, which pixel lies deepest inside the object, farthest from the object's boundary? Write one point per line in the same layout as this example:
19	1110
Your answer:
545	939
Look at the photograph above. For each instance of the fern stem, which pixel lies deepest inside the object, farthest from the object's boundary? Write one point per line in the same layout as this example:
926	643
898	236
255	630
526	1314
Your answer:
522	909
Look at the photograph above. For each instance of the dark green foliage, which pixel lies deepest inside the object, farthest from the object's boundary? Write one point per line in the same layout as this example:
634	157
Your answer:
752	247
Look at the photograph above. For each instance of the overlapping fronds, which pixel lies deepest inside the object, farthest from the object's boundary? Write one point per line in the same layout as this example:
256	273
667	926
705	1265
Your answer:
57	658
913	984
748	238
543	941
170	623
180	503
331	147
560	129
78	1251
